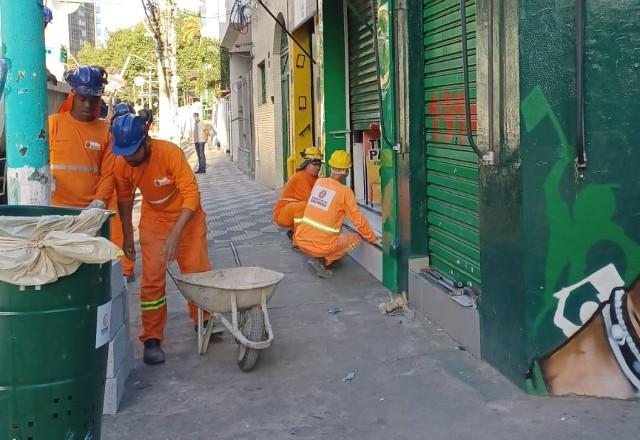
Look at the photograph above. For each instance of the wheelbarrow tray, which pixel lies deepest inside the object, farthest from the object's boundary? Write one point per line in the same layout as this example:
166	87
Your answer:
212	291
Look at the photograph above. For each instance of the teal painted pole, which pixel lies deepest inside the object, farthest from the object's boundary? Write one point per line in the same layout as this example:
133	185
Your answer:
25	94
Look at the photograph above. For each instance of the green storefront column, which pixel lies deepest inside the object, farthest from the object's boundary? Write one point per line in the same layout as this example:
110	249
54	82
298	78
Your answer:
388	143
333	76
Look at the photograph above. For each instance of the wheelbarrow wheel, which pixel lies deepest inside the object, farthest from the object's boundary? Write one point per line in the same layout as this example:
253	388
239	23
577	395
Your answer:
253	328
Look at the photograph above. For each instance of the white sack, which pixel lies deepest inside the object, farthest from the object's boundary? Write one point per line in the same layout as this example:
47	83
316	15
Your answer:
39	250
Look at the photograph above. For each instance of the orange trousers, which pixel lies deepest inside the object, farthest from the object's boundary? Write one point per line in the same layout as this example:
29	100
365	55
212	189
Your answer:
285	215
117	238
192	257
347	241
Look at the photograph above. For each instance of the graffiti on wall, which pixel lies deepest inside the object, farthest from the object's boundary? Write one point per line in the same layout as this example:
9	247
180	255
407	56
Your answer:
448	118
601	356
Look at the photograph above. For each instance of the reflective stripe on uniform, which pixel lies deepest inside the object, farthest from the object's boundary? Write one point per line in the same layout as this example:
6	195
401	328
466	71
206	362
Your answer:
317	225
80	168
153	305
164	199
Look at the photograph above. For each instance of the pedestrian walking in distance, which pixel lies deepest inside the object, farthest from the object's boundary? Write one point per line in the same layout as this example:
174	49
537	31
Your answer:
200	135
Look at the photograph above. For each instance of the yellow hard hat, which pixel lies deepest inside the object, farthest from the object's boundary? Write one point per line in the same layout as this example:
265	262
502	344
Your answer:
312	153
340	160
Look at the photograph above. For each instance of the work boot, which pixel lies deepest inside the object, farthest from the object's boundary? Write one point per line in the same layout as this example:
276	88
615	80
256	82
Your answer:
153	354
290	234
317	264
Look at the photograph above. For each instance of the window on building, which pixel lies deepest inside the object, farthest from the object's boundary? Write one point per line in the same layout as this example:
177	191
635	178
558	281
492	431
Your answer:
263	83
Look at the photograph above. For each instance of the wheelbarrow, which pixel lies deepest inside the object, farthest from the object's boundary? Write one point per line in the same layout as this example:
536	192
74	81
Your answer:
244	293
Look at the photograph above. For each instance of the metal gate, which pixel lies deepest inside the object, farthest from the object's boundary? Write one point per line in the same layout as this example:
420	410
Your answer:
452	166
363	88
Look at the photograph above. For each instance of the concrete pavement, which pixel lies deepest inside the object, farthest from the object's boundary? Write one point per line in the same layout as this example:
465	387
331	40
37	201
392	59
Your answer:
411	381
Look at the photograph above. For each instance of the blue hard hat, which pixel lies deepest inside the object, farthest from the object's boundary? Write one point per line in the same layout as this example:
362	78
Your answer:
48	15
129	132
87	80
121	109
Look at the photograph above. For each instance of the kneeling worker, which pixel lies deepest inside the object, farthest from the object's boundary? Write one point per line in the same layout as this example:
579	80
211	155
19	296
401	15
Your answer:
293	200
318	233
172	223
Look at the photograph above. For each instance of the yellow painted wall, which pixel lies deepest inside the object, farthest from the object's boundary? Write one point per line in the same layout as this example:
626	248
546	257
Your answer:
301	99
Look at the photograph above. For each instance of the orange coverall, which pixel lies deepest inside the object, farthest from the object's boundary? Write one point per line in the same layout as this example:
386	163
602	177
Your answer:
318	232
82	169
293	199
168	185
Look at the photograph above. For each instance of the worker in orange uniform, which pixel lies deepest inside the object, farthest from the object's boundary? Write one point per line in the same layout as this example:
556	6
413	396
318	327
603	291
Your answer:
294	196
318	233
80	152
172	224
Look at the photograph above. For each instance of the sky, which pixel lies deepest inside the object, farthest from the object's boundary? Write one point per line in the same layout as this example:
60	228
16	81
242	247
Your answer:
118	14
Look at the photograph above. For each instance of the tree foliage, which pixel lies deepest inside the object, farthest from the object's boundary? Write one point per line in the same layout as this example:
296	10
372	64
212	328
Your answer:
198	58
120	44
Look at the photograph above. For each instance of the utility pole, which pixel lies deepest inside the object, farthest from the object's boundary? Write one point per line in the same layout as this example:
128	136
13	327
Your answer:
161	17
28	175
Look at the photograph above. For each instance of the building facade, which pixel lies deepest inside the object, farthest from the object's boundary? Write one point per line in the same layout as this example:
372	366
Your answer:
82	27
497	170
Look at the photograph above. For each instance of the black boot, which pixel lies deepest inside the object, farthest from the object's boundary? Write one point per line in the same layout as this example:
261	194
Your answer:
153	354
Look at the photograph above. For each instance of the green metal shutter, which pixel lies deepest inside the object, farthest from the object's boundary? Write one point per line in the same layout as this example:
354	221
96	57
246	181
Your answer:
452	166
363	87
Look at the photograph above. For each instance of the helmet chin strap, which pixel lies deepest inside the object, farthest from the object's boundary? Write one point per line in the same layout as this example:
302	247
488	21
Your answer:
623	339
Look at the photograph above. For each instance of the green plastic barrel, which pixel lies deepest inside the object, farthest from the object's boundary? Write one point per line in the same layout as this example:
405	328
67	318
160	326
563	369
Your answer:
51	374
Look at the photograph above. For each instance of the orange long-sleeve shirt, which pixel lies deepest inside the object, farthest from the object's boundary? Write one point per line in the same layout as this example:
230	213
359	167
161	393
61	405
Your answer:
328	205
298	189
166	181
81	161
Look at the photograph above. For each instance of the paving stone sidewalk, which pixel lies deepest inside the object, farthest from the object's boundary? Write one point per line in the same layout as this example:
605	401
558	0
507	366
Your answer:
409	380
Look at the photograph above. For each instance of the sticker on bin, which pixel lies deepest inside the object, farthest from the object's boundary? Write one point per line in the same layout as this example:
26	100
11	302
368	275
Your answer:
103	323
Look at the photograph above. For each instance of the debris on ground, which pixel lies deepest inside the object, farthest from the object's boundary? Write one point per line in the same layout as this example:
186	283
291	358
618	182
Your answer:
334	311
349	376
397	306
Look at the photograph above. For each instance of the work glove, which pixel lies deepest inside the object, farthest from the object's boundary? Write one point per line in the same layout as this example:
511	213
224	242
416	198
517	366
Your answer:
378	242
97	204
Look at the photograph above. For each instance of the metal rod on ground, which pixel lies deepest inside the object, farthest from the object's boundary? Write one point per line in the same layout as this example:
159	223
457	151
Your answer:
235	254
28	175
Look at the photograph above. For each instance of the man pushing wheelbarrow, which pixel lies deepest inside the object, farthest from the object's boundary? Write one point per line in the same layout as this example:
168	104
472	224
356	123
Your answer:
172	222
172	227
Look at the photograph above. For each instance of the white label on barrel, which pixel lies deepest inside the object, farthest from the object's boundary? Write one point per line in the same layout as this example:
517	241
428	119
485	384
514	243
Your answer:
103	332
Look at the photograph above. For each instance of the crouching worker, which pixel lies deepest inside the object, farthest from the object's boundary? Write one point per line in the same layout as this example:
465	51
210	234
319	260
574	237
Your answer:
293	200
172	223
318	233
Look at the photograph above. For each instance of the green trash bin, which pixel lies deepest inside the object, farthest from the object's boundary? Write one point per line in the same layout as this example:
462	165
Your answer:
51	374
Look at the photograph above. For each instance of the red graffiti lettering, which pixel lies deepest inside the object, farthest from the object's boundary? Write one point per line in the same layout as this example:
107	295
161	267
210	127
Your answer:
447	114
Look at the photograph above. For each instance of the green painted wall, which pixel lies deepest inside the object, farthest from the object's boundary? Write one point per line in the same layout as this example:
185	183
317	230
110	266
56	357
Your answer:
545	225
577	223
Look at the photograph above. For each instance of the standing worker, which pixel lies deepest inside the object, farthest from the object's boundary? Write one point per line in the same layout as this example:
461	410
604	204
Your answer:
80	150
200	136
80	153
294	196
172	224
318	233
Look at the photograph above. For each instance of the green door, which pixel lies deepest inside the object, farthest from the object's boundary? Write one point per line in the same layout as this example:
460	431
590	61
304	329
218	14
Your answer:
284	91
363	88
452	166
